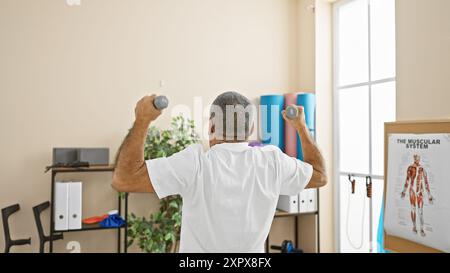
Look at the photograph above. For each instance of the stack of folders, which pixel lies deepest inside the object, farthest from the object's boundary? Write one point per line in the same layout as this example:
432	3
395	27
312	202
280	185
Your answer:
68	205
305	202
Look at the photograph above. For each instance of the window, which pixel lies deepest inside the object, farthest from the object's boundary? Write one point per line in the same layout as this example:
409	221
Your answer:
365	98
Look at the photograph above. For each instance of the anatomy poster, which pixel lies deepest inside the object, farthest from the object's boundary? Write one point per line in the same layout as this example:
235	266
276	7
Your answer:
418	189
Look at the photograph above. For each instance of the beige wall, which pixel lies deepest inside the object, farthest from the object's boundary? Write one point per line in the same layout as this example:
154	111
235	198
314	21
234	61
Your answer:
423	59
70	76
324	92
315	70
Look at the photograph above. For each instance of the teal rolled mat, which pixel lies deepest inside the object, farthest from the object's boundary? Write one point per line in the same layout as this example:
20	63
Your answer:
272	122
308	101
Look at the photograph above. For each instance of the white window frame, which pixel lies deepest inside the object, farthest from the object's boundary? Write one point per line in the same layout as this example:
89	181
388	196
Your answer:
336	132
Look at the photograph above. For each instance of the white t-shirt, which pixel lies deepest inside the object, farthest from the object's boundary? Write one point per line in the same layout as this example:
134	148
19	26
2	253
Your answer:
230	193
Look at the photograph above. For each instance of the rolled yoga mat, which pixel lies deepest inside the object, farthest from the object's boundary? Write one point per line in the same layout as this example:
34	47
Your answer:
380	233
290	135
308	101
299	145
272	123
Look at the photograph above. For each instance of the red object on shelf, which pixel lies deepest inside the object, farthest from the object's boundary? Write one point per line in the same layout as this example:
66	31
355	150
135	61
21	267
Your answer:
95	219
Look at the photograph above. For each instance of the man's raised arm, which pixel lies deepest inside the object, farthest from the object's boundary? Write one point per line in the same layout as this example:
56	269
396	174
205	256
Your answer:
130	174
311	153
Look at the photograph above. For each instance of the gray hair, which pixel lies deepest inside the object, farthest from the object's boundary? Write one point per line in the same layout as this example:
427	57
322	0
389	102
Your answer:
232	114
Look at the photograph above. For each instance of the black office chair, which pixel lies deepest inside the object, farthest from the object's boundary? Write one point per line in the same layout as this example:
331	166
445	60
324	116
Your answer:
6	212
37	210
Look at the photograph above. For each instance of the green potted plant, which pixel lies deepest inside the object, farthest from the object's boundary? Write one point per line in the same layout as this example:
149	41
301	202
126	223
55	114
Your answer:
161	231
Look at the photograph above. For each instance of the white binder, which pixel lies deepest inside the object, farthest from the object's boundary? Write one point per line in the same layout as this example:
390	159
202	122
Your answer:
75	205
61	206
312	200
288	204
303	201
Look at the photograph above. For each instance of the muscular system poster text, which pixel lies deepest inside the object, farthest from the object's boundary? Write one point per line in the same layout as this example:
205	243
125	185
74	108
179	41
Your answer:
418	189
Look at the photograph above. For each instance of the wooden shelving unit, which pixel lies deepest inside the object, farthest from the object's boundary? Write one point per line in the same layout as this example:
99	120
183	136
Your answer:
120	200
297	217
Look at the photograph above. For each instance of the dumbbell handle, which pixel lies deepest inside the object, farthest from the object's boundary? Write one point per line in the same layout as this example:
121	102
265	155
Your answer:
292	112
161	102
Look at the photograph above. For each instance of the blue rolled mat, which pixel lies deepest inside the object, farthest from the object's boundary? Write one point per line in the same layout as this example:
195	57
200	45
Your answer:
380	233
272	122
308	101
299	145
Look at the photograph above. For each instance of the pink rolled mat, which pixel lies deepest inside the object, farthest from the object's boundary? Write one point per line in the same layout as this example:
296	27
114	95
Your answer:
290	132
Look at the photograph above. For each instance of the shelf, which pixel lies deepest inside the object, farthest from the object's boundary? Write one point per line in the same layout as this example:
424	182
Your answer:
280	214
84	227
89	228
106	168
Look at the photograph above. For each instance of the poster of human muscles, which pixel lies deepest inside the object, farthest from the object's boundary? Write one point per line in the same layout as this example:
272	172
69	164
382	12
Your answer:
418	189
